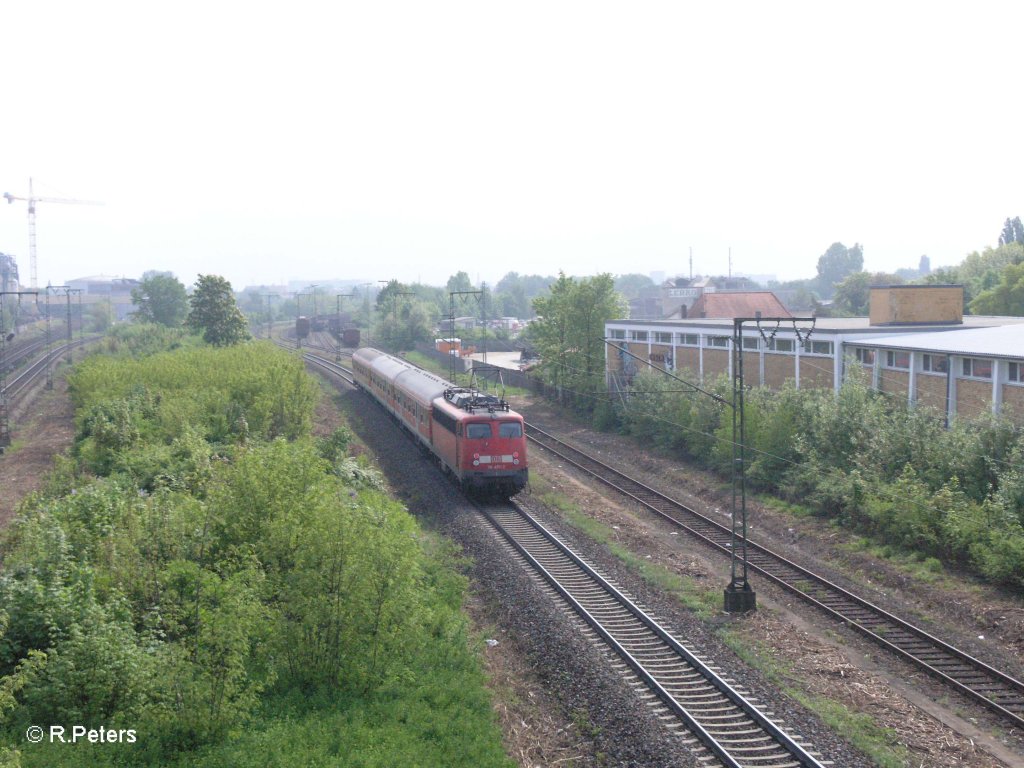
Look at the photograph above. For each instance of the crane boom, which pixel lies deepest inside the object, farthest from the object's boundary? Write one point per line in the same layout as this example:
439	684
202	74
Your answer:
32	200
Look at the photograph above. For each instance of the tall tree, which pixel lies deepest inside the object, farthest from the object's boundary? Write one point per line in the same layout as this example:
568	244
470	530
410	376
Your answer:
160	298
569	335
214	312
1006	298
459	282
1013	232
854	293
836	263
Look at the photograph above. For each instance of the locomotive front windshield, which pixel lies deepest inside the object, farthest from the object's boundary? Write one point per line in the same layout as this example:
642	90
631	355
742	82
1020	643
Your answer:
510	429
483	430
478	430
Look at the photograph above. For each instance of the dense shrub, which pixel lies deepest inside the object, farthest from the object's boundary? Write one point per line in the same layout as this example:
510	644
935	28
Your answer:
205	554
863	458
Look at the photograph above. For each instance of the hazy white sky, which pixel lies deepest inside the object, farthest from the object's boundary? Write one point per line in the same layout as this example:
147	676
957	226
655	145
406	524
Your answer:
377	140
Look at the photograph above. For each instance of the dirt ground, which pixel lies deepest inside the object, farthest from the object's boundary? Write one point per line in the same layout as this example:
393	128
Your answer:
817	656
40	430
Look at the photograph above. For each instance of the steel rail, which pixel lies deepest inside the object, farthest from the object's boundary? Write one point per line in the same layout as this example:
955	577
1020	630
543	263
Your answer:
721	718
26	377
994	689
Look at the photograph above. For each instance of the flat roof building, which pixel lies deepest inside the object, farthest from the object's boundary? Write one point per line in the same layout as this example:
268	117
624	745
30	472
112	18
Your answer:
962	366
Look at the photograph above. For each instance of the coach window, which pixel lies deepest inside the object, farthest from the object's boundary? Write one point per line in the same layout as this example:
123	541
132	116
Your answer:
478	431
510	429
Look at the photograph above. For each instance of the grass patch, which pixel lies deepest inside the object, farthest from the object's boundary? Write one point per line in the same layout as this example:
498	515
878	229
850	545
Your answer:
917	565
787	507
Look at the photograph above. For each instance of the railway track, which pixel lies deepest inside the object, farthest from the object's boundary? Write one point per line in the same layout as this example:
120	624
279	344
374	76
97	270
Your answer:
685	691
14	356
996	690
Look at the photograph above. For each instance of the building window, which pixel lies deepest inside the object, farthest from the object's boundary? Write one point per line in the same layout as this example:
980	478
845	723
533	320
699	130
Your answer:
818	348
781	345
977	368
865	356
716	341
663	338
751	342
1015	372
897	358
617	333
935	363
688	339
638	335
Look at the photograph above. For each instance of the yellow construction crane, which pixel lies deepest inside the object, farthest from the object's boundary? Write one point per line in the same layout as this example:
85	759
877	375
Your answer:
32	200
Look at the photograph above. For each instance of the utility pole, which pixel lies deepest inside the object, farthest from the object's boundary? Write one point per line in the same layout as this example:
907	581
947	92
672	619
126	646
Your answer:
32	200
270	317
312	288
366	309
5	336
49	337
67	293
451	302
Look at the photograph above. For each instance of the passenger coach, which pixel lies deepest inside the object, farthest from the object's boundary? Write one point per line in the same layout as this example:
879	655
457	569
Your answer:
475	436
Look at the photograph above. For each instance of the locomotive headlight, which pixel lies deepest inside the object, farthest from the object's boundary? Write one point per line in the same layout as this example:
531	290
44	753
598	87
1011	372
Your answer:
476	463
516	462
515	455
476	456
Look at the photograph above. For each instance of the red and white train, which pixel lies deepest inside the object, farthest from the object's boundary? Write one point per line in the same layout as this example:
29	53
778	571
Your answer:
475	436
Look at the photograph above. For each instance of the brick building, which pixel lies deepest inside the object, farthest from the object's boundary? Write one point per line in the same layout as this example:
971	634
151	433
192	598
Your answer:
916	343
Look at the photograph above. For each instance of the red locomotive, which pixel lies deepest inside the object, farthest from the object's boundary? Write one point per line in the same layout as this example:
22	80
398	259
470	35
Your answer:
474	436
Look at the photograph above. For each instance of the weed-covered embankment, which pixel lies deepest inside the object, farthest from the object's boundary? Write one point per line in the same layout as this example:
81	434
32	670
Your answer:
203	575
864	459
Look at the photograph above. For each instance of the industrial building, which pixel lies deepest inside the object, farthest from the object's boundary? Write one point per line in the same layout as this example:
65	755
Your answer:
916	343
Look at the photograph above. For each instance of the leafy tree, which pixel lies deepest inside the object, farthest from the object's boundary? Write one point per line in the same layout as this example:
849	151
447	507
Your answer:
853	294
633	285
214	312
836	263
569	334
979	272
459	282
1013	232
1006	298
161	299
99	316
